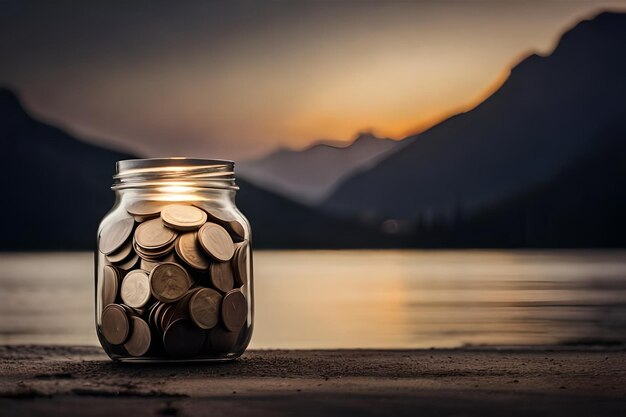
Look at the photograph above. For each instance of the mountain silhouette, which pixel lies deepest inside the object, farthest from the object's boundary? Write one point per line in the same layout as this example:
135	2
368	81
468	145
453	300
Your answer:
549	113
57	189
583	206
309	175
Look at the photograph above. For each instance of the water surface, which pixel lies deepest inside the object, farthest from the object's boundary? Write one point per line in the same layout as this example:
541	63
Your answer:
362	299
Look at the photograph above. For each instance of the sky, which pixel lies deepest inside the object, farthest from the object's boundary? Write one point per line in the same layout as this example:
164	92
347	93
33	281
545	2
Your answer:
236	80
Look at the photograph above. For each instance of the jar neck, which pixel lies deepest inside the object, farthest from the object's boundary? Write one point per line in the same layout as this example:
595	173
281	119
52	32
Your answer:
171	194
174	176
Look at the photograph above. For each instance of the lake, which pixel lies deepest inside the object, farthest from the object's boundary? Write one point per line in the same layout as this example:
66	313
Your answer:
362	299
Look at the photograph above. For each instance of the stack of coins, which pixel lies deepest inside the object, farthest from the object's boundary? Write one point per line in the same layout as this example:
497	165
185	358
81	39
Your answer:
174	281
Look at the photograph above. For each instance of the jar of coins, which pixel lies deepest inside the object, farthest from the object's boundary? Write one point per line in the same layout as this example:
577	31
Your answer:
174	264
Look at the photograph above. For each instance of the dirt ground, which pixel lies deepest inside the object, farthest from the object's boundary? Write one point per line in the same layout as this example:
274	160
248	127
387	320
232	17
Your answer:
66	381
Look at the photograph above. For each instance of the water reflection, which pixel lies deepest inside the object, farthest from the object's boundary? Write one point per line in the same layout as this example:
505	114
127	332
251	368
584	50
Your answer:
367	299
445	298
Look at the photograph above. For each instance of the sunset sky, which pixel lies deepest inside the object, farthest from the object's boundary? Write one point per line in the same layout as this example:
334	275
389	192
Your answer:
235	80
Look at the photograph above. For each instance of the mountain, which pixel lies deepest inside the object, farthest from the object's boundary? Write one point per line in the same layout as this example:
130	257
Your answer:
583	206
57	189
278	222
309	175
549	113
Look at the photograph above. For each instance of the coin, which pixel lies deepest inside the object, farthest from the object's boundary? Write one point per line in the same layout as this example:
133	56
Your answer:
147	265
145	208
182	217
110	282
151	254
169	282
237	230
153	234
182	338
113	235
165	316
123	253
224	217
141	219
139	341
151	311
156	317
114	324
234	310
222	276
126	265
135	291
221	340
190	251
217	213
204	308
240	263
181	308
216	241
129	311
169	258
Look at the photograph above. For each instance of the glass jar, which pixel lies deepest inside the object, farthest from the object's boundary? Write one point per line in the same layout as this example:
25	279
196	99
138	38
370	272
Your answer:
173	268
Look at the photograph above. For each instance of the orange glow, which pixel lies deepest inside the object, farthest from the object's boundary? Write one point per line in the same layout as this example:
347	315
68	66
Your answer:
240	91
438	116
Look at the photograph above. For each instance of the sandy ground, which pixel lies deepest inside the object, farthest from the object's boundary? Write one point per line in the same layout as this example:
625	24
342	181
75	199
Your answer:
67	381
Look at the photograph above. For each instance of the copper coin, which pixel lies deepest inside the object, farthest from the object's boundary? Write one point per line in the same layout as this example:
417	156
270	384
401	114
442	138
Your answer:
141	219
182	217
215	212
110	282
153	253
216	242
237	230
113	235
156	317
222	276
166	315
234	310
182	338
222	340
145	208
139	341
147	265
181	308
204	308
153	234
225	217
189	250
240	263
169	282
129	264
122	254
135	291
115	324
